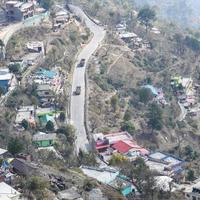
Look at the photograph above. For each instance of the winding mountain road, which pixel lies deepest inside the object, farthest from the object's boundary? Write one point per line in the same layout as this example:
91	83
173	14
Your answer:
78	101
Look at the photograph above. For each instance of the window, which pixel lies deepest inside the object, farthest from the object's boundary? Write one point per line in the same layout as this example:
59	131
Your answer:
194	198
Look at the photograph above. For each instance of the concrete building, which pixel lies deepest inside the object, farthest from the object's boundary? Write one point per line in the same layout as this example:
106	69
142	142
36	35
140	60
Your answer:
26	113
193	192
8	193
18	11
5	79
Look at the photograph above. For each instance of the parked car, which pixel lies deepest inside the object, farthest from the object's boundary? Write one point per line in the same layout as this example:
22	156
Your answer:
82	63
78	90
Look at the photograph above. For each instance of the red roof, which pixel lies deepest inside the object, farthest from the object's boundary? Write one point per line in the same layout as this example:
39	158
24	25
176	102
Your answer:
123	146
102	146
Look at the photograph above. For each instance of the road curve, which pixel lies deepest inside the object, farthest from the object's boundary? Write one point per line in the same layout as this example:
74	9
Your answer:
78	102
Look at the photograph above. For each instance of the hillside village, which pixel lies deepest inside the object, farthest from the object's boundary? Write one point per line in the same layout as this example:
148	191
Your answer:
97	103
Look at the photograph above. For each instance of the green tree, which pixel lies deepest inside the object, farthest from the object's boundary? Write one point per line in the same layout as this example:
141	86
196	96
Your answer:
146	16
141	176
127	115
145	95
69	132
15	146
11	102
117	159
85	158
190	175
50	126
154	116
14	68
36	183
47	4
114	102
62	117
128	126
37	186
193	44
188	151
25	124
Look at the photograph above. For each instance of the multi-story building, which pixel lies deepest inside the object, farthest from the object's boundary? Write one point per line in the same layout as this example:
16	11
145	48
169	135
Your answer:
18	11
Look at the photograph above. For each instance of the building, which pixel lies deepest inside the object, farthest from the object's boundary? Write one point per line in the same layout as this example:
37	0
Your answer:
127	37
23	167
26	113
5	79
35	47
44	91
8	193
18	11
32	58
111	177
123	186
118	142
193	191
129	148
3	152
165	164
46	95
44	140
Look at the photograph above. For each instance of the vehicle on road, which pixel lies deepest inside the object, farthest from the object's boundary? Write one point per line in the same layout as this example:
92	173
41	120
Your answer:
78	90
82	63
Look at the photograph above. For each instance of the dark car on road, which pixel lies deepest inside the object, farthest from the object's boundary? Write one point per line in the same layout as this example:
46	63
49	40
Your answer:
82	63
78	90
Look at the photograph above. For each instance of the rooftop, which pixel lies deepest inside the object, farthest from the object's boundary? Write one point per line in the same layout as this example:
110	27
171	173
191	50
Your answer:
104	175
43	136
2	151
7	192
128	35
113	137
26	112
5	74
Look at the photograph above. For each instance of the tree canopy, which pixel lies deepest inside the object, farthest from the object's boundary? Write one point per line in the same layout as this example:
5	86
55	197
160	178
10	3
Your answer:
154	116
15	146
145	95
146	16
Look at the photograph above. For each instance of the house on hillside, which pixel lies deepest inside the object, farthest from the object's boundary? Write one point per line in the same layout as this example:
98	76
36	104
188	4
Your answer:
44	140
32	58
26	113
5	79
119	142
8	193
165	164
35	47
18	10
111	177
192	192
24	167
46	95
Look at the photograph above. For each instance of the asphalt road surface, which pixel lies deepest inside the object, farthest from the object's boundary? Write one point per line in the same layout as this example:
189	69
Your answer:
78	101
